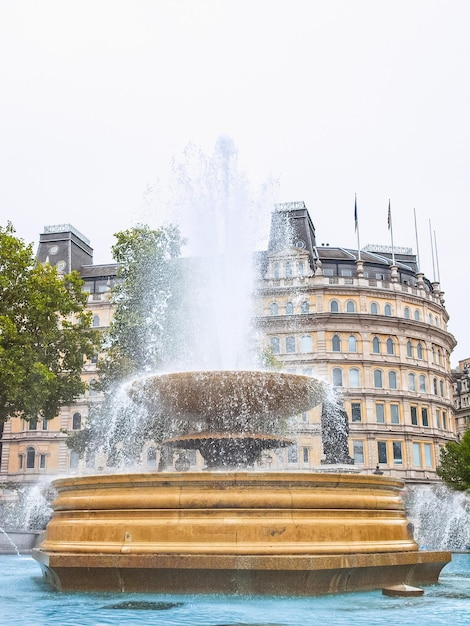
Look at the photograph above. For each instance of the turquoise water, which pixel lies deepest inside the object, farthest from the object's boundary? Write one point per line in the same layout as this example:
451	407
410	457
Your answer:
27	600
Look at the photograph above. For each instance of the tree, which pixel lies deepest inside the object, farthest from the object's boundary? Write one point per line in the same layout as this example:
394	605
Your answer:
142	337
44	333
455	464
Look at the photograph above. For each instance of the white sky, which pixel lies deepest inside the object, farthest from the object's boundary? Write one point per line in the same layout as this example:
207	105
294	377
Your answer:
331	97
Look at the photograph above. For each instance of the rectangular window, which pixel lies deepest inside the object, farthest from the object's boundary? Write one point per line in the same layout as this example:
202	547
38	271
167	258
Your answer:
274	341
427	455
380	413
304	416
444	420
346	272
20	461
424	417
306	455
417	454
292	455
438	418
290	344
33	424
45	423
42	461
382	451
394	414
414	415
356	412
358	452
397	453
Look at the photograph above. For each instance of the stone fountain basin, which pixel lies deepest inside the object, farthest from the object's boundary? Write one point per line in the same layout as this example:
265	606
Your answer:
259	532
219	396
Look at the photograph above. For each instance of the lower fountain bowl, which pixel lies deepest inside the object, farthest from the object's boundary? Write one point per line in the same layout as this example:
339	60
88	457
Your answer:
239	532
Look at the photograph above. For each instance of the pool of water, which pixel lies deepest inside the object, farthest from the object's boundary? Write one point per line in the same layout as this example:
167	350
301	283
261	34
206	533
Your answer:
27	600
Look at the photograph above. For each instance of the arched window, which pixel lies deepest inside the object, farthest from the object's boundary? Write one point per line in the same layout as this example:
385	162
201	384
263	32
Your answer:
96	320
289	308
422	383
352	343
350	306
411	382
273	308
419	350
152	457
392	380
275	345
30	458
409	349
306	343
76	421
305	306
300	268
417	315
390	347
374	309
334	306
434	386
290	344
441	387
289	269
376	345
439	357
407	313
387	310
378	381
429	319
336	343
354	377
276	271
337	377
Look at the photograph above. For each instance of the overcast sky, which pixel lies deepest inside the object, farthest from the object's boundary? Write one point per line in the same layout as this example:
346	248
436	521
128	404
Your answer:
330	98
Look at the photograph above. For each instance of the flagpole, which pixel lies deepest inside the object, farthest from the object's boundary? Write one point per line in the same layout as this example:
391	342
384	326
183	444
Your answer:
356	223
417	242
390	226
432	254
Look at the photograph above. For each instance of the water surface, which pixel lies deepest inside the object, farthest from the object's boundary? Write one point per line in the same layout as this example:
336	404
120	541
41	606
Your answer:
26	599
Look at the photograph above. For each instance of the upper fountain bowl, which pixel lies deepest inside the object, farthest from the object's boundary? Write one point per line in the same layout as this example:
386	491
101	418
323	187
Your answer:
225	398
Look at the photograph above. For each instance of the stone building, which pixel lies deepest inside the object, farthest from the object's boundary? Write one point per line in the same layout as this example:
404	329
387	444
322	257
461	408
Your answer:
370	324
461	382
375	328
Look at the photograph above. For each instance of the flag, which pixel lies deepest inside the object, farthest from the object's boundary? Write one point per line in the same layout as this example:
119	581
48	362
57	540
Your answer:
389	216
355	213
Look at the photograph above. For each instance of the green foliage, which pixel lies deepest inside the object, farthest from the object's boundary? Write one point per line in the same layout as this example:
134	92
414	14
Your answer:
144	298
455	464
141	338
44	333
269	360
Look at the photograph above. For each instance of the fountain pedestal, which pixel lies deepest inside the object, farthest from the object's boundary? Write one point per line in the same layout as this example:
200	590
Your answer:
233	532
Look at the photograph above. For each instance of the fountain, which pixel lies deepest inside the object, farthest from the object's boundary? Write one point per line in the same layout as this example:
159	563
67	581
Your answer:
231	528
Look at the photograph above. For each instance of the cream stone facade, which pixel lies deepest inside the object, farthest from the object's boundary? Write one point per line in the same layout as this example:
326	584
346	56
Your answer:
461	382
371	325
